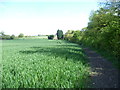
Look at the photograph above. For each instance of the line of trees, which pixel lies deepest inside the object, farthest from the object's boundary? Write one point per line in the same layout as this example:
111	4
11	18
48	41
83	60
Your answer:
103	30
3	36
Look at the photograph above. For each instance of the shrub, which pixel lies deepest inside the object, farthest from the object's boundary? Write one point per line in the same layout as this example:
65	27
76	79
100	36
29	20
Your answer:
50	36
12	37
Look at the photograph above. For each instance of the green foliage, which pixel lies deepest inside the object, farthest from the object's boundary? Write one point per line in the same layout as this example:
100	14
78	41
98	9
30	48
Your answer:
50	36
59	34
12	37
43	64
7	37
103	30
74	36
21	35
68	35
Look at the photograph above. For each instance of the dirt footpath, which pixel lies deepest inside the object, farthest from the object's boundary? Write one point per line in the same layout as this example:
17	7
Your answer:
104	74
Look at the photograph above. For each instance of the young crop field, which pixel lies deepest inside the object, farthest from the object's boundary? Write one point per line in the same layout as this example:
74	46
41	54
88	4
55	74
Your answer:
42	63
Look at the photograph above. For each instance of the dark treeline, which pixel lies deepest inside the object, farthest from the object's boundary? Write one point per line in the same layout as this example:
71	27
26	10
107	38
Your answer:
3	36
103	30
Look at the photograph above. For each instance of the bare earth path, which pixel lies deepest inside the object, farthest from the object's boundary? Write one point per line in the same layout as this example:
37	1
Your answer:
104	75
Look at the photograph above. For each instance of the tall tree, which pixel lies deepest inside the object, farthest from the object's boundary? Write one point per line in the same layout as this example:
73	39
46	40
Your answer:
2	33
59	34
113	5
21	35
12	36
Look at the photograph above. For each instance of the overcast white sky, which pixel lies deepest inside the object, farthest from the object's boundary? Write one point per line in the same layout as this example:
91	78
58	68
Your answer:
33	17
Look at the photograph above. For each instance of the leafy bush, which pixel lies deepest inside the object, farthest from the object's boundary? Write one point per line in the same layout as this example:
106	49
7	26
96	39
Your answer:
73	36
68	35
12	37
50	36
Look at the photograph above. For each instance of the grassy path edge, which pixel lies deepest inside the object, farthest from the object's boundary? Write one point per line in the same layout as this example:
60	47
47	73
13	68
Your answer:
104	74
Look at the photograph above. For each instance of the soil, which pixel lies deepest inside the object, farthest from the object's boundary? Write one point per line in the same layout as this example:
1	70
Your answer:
104	74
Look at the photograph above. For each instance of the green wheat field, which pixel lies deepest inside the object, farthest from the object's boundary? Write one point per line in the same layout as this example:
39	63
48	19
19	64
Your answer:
42	63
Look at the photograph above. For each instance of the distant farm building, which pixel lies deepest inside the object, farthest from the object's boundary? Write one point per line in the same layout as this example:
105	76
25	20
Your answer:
55	37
